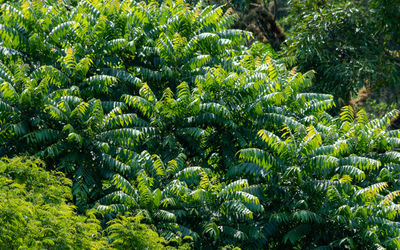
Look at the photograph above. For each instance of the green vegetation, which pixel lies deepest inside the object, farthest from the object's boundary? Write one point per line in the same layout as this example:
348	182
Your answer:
35	213
181	132
350	44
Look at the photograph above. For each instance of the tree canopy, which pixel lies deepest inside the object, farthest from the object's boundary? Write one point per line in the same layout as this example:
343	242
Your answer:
183	132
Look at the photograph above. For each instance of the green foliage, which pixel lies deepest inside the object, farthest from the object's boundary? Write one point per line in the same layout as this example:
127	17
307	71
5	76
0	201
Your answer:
35	213
61	91
175	198
350	44
128	233
334	190
220	116
162	111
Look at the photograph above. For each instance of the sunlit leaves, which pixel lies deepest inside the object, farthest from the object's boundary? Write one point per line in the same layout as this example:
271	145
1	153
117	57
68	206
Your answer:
33	201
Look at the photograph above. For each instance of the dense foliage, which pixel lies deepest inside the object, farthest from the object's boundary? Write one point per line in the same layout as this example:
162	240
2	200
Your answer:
55	71
161	111
35	213
34	210
350	44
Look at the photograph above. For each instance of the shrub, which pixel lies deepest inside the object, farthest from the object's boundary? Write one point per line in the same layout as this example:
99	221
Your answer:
35	211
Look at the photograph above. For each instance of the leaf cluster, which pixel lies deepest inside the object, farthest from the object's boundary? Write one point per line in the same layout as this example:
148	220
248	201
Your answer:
35	212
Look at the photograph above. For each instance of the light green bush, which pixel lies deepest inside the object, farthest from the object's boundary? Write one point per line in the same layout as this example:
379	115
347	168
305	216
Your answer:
36	210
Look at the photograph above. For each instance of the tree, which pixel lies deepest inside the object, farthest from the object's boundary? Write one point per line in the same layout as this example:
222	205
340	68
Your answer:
35	211
60	127
59	91
162	111
350	44
333	186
